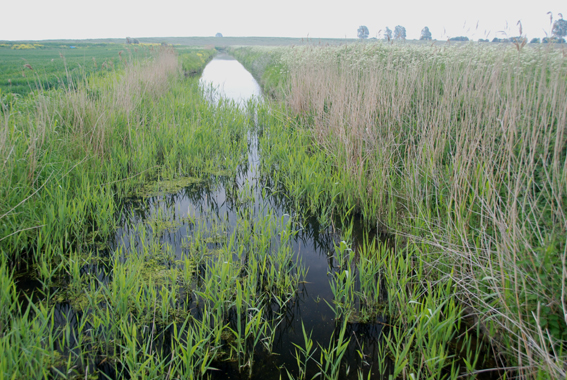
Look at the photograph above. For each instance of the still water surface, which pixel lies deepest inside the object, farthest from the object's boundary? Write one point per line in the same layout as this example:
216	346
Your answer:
231	79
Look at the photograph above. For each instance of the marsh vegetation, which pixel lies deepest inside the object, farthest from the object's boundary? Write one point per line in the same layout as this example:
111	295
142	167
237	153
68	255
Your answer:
387	211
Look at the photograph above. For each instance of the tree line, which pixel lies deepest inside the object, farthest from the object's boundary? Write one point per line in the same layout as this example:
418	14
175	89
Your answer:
558	31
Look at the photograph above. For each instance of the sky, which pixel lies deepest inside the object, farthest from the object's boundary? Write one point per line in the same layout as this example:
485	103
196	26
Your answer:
73	19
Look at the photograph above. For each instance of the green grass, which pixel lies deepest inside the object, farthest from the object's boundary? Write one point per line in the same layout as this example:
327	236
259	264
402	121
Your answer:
57	64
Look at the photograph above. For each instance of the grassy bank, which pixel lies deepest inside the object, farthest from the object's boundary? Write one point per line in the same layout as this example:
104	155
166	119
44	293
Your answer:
459	150
265	64
194	60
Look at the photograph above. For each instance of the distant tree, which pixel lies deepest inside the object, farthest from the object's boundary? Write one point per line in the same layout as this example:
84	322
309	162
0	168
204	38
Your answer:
495	39
518	39
460	38
425	34
135	41
483	40
218	35
535	41
553	40
128	40
388	34
559	28
362	32
400	32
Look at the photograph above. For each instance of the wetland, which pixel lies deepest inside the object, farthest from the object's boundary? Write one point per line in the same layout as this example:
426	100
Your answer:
158	224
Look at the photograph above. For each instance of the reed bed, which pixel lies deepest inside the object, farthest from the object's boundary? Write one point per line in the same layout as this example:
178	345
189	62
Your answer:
460	151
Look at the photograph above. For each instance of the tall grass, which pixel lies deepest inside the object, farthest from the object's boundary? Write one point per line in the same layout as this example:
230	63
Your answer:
461	150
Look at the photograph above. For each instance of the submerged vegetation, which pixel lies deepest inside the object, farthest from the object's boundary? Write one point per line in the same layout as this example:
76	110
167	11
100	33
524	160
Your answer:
396	211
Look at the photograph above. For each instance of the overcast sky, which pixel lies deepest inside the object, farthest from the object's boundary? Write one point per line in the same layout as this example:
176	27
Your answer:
75	19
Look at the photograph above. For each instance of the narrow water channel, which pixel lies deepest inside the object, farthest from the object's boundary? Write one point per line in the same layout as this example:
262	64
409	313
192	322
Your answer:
313	247
230	80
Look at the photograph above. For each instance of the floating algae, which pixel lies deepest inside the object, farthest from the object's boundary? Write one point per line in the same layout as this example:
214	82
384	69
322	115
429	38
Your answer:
165	186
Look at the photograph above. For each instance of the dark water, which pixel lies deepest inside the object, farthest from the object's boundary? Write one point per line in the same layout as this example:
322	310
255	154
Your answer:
313	245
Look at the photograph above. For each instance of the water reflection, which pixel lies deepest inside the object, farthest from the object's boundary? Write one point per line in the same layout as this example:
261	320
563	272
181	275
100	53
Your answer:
231	80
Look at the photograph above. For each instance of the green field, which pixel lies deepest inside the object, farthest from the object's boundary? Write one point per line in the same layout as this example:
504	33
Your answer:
54	64
27	67
216	41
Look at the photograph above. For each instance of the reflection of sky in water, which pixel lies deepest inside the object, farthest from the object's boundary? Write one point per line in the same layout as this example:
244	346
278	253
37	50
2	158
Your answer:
231	79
